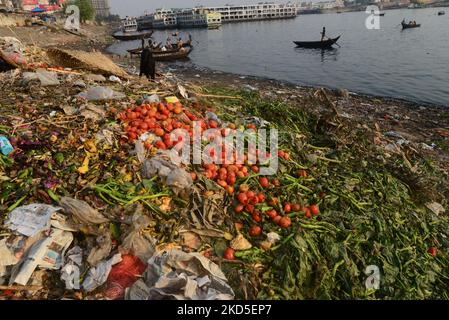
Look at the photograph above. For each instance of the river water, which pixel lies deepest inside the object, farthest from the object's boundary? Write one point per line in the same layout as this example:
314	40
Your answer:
411	64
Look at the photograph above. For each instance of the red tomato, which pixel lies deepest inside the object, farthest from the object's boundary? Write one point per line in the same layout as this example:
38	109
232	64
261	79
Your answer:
273	202
314	209
285	222
239	208
277	219
272	214
250	194
432	251
249	208
302	173
264	182
229	254
287	208
242	198
256	216
213	124
296	207
255	231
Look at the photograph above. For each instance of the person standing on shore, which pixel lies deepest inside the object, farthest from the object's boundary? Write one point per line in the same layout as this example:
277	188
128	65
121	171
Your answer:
147	64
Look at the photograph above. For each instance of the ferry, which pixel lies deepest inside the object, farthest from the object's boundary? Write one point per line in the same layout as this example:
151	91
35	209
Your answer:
198	17
129	25
145	22
165	19
261	11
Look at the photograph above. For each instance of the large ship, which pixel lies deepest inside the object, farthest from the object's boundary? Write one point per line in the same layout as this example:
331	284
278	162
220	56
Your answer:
145	22
260	11
197	18
165	19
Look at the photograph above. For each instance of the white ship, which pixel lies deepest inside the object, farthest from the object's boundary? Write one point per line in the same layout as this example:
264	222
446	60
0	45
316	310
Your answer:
198	17
165	19
261	11
129	25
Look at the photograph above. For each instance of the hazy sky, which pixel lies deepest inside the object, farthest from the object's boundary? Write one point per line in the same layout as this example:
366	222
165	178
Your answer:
137	7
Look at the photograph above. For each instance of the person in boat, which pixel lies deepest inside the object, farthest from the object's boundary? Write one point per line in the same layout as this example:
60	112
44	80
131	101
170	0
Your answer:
190	39
143	43
147	64
180	43
323	34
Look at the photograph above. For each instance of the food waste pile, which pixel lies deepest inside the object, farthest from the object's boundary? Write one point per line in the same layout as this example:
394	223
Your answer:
97	201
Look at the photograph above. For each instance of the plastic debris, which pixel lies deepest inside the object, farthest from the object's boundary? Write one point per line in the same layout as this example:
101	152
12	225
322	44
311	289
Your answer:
177	275
5	146
47	78
137	242
101	93
123	275
115	79
98	275
70	273
102	250
82	211
178	179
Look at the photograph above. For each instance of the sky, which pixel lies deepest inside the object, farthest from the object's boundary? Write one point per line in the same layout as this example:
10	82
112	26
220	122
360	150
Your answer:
137	7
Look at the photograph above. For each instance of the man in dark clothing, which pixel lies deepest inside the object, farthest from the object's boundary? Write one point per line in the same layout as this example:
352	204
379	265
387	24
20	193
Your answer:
323	34
147	64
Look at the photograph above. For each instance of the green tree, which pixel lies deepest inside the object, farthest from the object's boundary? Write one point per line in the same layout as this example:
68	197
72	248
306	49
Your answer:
86	9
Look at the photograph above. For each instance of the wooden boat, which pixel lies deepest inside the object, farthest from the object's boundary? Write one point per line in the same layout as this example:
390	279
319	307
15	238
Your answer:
410	25
175	49
441	13
128	36
326	44
170	56
381	14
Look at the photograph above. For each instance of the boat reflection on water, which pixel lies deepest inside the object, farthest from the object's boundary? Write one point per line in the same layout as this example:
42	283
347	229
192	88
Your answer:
329	54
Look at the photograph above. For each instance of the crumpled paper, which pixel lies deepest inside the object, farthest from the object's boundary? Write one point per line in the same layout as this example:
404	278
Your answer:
31	219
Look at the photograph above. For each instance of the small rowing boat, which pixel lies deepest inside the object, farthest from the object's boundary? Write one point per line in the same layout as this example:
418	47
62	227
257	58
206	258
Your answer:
325	44
410	25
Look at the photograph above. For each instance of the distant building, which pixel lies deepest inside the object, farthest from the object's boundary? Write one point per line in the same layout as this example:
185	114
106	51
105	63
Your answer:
332	4
101	8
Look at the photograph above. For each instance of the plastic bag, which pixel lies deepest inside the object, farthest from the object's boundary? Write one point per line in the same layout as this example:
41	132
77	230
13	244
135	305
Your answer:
101	93
123	275
82	211
99	274
47	78
104	242
175	274
5	146
176	178
180	181
136	242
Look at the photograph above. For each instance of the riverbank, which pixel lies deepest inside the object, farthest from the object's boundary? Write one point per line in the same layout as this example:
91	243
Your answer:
358	185
422	124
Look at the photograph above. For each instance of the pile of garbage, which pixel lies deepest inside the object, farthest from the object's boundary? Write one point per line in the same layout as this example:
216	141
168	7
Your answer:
98	200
